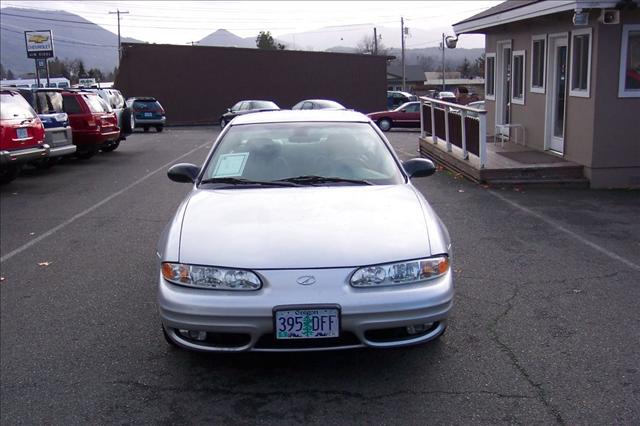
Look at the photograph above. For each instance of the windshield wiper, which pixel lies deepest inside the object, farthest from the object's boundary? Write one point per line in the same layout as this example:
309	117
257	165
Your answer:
239	181
312	180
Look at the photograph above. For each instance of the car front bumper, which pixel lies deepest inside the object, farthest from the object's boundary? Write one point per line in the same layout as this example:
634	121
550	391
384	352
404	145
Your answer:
372	317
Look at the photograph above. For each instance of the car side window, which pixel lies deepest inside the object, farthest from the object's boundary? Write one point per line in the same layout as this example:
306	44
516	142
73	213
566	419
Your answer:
307	105
413	108
71	105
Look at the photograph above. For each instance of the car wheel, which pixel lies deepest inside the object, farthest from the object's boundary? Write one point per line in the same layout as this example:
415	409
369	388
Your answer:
127	120
146	129
9	173
85	155
159	129
223	123
384	124
45	163
111	147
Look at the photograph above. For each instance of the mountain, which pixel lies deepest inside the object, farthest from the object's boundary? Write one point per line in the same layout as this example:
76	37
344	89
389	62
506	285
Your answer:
225	38
73	37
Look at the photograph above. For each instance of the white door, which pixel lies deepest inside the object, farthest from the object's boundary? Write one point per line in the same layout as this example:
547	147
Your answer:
557	93
503	86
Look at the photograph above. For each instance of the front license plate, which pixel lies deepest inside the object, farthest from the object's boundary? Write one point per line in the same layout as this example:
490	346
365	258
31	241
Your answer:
22	133
147	114
307	323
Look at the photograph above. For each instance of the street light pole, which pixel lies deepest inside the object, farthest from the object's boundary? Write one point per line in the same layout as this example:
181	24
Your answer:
118	12
443	70
404	82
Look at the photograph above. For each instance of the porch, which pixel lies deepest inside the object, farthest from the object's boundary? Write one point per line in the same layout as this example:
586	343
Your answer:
462	144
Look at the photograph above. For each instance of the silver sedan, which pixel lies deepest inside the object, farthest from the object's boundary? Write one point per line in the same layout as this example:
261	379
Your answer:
302	231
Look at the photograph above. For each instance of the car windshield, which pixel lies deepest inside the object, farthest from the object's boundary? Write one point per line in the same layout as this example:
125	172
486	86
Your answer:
49	102
263	105
304	153
14	107
95	103
328	104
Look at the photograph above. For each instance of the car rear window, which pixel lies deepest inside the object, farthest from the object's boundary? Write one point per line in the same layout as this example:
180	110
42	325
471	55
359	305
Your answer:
15	107
263	104
49	102
71	105
95	103
146	105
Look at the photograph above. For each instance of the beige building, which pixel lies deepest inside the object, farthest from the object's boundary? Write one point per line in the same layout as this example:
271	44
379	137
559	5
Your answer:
567	72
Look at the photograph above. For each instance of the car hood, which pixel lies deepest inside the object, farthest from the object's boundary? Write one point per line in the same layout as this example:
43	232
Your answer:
309	227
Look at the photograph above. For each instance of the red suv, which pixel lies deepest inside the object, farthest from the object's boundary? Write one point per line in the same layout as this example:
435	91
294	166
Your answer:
21	135
93	123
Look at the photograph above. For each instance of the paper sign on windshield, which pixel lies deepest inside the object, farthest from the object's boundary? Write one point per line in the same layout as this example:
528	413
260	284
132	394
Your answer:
231	165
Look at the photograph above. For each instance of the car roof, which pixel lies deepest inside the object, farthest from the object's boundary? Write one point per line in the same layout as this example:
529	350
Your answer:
142	98
288	116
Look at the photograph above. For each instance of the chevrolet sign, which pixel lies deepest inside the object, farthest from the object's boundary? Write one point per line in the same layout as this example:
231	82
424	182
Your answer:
39	44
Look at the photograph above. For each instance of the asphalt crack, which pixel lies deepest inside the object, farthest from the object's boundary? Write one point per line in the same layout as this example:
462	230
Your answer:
540	392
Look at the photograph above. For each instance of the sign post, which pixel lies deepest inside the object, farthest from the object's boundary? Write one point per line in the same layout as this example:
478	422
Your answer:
39	47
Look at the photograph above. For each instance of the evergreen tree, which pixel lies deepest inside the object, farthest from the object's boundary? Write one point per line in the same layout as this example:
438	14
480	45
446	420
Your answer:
265	40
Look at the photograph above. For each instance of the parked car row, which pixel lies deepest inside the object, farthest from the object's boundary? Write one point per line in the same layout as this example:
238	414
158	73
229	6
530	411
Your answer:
40	126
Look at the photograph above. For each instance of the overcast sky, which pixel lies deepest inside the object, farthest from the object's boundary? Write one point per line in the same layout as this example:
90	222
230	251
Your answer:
179	22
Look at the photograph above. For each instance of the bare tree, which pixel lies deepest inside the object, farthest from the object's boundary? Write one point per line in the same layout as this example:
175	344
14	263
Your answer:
367	46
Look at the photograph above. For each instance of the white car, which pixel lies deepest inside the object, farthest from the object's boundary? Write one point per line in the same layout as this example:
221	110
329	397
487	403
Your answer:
302	231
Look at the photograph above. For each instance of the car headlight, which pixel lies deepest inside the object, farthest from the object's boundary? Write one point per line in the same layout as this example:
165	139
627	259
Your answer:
408	272
210	277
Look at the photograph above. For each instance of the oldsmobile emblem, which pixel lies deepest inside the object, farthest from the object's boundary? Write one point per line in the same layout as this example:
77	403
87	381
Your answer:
306	280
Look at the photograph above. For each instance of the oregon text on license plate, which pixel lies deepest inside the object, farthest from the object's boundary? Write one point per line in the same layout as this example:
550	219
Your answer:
22	133
307	323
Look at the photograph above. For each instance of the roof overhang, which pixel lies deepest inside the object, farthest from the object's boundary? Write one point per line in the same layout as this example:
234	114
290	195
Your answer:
529	11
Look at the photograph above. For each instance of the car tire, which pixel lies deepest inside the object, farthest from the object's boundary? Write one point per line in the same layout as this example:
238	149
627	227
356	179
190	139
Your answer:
9	173
127	119
111	147
159	129
146	129
385	124
85	155
45	163
223	123
132	122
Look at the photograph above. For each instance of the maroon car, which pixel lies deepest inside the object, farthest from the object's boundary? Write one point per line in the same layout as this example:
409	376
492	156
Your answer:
93	123
406	115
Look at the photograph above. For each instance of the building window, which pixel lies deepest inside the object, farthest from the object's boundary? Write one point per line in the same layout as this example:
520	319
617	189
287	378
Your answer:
490	76
538	62
629	85
517	78
580	62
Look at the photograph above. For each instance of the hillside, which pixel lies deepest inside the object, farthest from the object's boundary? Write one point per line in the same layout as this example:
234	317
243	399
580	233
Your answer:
73	37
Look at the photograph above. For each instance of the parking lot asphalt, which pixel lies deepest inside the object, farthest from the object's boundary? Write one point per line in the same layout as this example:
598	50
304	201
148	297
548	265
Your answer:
545	329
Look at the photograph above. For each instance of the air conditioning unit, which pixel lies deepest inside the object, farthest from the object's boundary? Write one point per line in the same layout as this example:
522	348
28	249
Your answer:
610	16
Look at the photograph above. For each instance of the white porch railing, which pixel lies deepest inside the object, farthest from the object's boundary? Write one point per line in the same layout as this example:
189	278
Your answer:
455	124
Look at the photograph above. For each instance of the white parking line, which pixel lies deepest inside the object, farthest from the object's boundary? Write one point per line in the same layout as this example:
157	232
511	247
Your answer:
95	206
569	232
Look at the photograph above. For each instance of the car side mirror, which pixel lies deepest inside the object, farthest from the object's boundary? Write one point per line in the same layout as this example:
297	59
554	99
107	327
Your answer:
419	167
183	173
228	109
403	110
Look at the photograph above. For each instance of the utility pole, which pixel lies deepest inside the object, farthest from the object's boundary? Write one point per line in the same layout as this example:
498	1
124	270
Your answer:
375	41
443	47
404	81
118	12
